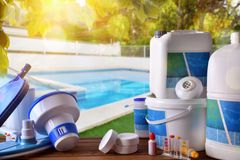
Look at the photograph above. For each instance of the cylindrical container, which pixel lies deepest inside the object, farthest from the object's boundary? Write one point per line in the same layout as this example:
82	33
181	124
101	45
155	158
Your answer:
175	55
54	115
223	105
185	118
140	123
14	122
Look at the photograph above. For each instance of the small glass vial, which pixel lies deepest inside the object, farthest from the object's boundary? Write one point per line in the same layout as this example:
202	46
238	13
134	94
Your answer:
177	147
166	146
171	144
183	148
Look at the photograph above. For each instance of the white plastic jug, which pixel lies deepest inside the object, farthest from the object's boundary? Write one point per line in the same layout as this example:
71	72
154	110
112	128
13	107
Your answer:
223	106
175	55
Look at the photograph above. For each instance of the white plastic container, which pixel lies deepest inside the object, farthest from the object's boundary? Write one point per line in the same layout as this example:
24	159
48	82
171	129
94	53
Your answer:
175	55
184	118
223	107
54	115
140	123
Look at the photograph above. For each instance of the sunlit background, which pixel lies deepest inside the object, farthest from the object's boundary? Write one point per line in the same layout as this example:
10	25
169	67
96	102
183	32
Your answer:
128	21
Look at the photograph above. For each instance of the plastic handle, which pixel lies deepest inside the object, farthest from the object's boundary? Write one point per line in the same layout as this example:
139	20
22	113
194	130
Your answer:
175	117
25	70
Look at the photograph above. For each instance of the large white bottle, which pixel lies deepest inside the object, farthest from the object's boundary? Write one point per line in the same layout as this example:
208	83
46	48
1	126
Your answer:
223	106
175	55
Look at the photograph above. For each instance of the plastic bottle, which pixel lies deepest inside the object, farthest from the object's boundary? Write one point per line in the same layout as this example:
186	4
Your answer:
152	145
175	55
158	51
223	99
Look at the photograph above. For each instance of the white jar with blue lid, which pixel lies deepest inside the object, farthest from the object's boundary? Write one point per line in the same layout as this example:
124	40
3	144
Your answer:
54	115
223	106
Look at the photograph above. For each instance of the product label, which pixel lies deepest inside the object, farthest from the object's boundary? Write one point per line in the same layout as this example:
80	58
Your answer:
140	122
159	130
185	64
223	121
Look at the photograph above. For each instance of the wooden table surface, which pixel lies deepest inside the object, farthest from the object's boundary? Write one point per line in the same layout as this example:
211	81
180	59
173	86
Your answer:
88	149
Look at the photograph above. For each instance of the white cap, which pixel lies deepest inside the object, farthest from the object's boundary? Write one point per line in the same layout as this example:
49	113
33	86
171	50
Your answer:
235	38
27	129
127	139
108	141
124	143
125	149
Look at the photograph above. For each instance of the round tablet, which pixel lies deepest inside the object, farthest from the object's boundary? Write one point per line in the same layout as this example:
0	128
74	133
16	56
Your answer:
125	149
127	139
108	141
189	88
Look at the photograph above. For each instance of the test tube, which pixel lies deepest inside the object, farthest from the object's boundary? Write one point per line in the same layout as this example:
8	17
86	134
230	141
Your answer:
184	149
166	146
171	144
177	147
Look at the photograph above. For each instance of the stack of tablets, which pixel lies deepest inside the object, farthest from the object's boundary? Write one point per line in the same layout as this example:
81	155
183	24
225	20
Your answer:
124	143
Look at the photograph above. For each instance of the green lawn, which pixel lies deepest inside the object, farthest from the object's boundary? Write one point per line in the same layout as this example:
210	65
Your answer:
122	124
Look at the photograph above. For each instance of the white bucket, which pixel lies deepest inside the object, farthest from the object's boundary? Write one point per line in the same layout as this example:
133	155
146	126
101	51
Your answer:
184	118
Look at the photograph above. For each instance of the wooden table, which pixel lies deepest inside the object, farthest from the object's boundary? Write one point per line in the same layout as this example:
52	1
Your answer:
88	149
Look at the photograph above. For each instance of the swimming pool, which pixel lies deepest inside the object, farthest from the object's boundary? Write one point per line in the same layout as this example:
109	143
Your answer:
102	86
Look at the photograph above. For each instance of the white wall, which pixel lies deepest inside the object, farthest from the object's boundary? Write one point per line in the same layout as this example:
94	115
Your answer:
42	62
20	42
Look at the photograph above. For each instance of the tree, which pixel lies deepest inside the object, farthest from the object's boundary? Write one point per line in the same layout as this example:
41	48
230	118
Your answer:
128	21
4	40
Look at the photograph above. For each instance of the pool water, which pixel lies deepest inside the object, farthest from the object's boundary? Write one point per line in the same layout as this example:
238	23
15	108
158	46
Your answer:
108	91
102	86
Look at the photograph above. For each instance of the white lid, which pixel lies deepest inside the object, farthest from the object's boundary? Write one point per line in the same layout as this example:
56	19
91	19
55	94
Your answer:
125	149
108	141
67	142
127	139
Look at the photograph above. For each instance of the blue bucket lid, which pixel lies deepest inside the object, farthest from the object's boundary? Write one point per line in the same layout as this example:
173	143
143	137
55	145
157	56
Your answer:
139	99
11	94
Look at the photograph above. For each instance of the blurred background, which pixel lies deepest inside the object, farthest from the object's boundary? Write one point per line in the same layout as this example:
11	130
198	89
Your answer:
129	22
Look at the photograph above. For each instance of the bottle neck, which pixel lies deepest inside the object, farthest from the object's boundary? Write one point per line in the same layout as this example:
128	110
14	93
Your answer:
235	38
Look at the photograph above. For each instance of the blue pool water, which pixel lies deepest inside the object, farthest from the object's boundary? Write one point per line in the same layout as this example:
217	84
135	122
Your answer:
108	91
102	86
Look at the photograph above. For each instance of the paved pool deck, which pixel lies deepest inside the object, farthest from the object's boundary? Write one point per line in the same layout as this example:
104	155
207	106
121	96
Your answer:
103	114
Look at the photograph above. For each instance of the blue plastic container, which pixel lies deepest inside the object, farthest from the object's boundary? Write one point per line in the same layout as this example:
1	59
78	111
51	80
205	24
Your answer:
140	123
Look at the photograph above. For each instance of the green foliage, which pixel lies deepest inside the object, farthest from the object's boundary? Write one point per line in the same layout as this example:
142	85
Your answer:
128	21
4	40
3	61
3	10
118	27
